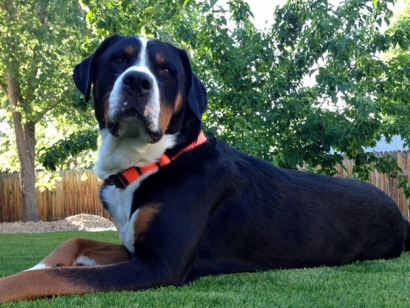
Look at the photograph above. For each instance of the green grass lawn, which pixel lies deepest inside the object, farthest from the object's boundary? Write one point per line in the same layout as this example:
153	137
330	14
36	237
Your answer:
367	284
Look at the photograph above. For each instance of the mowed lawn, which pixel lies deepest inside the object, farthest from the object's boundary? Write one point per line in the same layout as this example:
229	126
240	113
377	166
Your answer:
382	283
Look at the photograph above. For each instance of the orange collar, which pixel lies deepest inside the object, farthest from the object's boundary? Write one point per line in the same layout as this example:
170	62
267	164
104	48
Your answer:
124	178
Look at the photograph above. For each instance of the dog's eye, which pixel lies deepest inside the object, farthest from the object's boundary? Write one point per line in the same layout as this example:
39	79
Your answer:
165	71
118	60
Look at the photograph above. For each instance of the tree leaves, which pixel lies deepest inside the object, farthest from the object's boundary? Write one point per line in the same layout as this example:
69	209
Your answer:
71	146
259	97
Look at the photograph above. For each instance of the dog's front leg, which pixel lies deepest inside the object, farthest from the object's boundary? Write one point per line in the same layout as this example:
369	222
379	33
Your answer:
84	252
44	279
30	284
136	274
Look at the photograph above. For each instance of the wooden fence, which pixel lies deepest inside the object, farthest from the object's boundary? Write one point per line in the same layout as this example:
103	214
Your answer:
78	191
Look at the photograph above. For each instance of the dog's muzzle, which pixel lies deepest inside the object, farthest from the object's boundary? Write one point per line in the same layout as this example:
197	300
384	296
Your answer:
134	100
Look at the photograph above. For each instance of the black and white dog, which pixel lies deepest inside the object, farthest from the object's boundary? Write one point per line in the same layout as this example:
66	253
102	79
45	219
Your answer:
186	206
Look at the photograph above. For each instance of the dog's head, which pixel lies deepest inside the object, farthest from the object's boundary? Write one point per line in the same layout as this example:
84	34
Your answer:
142	88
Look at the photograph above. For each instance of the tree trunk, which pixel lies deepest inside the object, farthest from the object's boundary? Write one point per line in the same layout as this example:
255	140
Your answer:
24	128
25	140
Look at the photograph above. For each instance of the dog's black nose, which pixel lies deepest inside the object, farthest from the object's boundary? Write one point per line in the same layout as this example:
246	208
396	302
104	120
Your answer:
138	82
155	136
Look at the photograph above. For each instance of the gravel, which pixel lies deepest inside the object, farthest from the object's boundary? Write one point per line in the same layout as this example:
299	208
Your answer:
77	222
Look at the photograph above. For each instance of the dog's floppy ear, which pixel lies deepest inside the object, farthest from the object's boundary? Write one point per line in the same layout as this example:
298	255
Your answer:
197	96
84	72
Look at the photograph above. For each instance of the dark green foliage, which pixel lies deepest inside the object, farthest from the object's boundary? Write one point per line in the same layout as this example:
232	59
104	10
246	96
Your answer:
71	146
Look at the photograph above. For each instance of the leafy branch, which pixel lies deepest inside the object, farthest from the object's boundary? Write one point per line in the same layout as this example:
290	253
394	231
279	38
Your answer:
73	145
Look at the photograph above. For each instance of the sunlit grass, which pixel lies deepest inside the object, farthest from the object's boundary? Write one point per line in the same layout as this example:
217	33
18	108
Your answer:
382	283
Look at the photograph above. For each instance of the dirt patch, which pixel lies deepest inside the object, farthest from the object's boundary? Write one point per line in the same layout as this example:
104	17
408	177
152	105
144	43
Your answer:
77	222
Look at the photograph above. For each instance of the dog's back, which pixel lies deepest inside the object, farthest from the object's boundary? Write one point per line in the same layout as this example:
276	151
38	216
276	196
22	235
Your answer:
268	217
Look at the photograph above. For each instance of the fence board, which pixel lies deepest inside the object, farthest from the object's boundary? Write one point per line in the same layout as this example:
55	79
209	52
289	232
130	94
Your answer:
78	192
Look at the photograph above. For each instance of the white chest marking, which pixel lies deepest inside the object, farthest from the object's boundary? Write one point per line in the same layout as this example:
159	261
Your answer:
119	202
118	153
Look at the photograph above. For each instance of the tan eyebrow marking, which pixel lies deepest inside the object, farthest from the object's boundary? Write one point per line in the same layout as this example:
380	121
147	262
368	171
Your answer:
129	50
160	59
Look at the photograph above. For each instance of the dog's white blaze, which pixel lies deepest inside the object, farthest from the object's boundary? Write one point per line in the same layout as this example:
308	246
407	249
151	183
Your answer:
86	261
38	267
119	202
143	54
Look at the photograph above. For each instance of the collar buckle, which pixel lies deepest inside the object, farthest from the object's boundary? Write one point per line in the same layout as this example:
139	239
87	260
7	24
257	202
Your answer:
118	180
